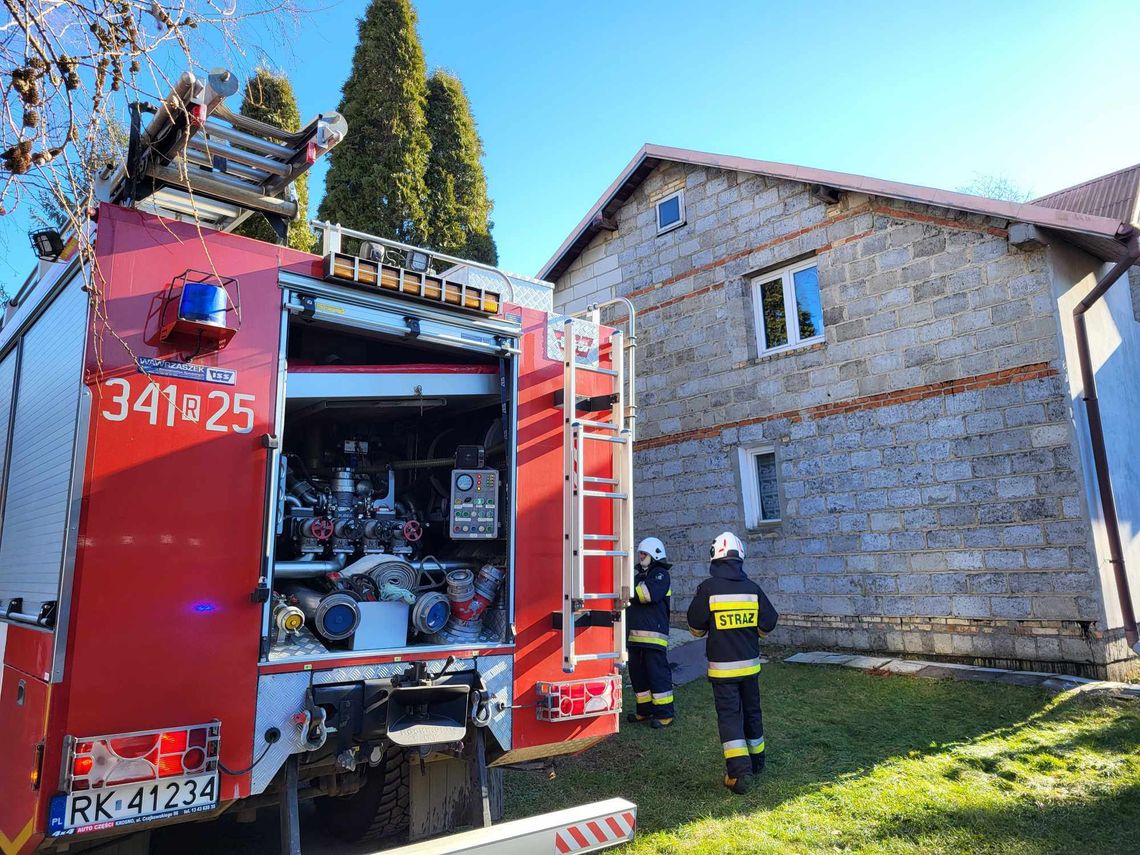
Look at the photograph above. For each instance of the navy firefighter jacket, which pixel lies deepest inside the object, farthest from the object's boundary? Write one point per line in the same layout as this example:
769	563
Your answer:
734	612
648	614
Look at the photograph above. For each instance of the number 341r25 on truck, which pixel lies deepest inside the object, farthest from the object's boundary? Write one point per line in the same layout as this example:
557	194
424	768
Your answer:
274	526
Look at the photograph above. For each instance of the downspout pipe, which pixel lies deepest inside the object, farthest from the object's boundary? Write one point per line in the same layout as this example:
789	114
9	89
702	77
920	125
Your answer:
1096	437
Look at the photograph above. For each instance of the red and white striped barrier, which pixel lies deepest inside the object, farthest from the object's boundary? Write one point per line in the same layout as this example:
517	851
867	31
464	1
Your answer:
585	828
596	833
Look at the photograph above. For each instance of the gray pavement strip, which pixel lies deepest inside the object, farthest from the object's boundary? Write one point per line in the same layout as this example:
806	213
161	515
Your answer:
957	671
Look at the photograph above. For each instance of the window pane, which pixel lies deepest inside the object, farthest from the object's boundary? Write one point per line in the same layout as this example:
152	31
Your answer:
766	488
772	313
668	212
808	308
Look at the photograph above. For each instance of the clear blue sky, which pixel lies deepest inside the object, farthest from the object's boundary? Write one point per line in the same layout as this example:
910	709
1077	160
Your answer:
565	93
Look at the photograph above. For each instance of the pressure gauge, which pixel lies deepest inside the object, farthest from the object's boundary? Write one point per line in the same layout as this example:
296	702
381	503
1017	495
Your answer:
474	504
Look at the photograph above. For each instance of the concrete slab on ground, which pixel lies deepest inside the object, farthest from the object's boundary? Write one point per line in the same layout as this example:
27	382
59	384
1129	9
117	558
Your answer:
688	659
678	637
902	666
971	673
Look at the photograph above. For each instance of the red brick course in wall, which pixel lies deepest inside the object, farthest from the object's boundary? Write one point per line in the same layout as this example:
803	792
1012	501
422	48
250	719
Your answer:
1019	374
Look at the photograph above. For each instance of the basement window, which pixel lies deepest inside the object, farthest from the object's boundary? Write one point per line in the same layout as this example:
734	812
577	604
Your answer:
787	307
671	212
761	490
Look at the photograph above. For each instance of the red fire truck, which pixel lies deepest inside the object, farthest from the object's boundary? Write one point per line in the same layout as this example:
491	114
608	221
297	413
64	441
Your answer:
279	526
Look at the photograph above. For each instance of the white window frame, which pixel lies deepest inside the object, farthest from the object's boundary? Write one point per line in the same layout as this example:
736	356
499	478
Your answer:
680	196
786	275
750	485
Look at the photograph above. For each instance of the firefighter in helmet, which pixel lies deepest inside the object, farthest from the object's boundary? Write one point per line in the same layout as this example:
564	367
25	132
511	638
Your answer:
648	622
734	613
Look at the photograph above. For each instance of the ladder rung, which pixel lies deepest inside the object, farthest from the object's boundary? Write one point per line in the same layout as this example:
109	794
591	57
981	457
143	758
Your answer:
596	657
599	596
578	366
590	479
599	425
600	437
604	494
606	537
605	553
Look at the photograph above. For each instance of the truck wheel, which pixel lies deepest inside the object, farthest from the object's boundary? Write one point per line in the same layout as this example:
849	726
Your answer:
378	810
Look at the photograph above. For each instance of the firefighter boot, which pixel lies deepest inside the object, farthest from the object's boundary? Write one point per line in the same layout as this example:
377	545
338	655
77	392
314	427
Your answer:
739	784
661	723
757	763
634	718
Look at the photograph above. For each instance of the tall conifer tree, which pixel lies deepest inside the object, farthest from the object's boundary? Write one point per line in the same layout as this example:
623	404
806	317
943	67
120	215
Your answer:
376	176
269	98
458	208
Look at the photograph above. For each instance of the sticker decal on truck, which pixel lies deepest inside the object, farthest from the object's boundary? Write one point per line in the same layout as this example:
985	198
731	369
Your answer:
187	371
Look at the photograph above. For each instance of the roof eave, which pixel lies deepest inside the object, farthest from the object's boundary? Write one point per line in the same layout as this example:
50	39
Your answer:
1050	218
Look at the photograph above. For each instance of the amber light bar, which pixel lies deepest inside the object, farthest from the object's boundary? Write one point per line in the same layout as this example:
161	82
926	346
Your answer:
423	286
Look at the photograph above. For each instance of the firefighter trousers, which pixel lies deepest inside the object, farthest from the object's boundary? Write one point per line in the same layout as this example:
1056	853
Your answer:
652	681
741	724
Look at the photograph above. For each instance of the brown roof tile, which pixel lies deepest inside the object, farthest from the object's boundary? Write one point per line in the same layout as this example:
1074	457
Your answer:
1116	195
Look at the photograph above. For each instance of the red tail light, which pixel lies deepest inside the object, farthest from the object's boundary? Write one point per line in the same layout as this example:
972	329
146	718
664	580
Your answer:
311	153
133	747
105	761
578	698
81	767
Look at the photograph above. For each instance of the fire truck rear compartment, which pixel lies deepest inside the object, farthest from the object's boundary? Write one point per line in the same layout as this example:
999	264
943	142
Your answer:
392	521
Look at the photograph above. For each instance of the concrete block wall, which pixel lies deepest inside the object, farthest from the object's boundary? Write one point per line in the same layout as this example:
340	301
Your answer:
930	496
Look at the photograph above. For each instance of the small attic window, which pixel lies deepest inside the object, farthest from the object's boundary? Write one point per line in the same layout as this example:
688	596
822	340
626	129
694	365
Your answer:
671	212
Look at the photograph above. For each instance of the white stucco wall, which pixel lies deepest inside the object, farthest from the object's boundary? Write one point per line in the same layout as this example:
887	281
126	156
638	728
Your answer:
1114	342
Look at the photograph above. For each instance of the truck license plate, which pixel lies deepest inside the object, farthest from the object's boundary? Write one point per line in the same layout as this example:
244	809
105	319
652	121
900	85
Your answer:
108	807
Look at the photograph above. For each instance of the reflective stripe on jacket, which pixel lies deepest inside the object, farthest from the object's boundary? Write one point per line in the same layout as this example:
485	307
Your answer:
734	612
647	618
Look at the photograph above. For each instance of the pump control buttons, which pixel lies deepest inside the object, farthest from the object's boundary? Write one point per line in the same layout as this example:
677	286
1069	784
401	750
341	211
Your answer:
474	504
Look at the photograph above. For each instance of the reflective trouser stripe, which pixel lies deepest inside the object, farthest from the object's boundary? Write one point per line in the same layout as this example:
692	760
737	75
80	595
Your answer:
735	748
669	593
664	698
756	746
644	697
740	668
638	636
643	592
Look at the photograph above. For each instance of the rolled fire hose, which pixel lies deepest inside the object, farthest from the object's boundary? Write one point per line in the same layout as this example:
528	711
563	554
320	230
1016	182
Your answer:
333	616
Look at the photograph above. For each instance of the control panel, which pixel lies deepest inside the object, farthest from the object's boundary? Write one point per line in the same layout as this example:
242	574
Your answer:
474	504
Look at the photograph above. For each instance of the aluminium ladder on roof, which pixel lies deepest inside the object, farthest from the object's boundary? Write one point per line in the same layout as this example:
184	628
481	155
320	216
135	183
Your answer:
578	487
196	159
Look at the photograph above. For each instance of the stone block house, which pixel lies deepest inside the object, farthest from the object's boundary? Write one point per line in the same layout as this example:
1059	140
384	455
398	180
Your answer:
878	387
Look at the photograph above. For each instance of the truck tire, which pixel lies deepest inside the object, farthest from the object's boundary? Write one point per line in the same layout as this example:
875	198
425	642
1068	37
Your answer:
379	810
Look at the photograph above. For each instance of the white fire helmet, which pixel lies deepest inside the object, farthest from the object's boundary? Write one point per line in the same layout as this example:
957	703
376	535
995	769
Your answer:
652	547
726	545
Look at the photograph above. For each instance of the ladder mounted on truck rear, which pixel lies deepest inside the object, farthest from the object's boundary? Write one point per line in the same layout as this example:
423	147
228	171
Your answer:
616	545
196	159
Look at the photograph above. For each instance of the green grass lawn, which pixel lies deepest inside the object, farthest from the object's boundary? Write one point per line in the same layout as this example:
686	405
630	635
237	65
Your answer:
862	763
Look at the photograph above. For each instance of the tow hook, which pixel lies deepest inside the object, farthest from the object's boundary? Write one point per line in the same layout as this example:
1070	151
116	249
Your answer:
312	723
